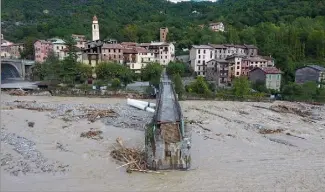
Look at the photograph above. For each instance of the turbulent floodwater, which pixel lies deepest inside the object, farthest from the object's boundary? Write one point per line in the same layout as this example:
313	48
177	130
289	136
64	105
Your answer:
228	152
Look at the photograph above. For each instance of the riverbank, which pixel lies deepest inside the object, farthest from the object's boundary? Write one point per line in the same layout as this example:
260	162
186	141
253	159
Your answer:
237	146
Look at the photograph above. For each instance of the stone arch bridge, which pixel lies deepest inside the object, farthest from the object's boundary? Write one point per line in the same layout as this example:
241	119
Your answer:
15	68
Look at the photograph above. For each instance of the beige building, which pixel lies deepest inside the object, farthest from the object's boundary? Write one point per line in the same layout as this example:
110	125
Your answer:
137	58
163	52
80	40
112	52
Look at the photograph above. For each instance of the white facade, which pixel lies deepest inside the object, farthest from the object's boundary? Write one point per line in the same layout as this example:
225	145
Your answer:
199	57
64	53
142	59
58	46
95	29
217	27
163	52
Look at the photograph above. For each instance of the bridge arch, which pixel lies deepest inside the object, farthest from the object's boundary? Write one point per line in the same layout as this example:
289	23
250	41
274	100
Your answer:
9	70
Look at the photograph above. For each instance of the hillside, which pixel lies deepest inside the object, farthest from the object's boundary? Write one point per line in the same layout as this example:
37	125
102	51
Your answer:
290	30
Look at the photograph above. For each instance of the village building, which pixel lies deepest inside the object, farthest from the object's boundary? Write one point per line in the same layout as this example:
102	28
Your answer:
199	56
58	45
270	76
42	50
163	52
218	72
216	27
313	73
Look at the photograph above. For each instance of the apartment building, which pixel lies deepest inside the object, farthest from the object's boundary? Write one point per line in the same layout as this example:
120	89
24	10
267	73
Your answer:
42	50
199	56
163	52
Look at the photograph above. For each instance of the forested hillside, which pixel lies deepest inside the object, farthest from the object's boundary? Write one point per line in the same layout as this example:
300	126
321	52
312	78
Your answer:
293	31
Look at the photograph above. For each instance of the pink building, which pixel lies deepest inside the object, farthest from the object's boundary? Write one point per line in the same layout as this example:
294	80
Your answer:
245	67
42	50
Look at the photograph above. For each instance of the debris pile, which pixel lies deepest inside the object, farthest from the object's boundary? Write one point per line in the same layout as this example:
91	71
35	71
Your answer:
17	92
92	135
96	114
270	131
289	109
133	158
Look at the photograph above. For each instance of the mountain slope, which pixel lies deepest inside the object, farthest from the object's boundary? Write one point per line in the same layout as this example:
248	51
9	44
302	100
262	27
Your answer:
45	18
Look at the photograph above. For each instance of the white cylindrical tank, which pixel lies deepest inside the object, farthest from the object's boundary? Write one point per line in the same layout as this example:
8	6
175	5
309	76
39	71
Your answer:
140	105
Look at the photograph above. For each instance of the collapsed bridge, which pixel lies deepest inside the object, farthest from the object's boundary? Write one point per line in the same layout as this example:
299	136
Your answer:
168	140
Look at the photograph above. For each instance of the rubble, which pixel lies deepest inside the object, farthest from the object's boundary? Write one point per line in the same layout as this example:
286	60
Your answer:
17	92
30	160
127	117
92	135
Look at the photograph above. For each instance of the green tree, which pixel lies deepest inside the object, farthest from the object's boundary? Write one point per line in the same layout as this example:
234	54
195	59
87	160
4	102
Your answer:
200	86
84	71
116	84
241	87
179	87
152	73
174	68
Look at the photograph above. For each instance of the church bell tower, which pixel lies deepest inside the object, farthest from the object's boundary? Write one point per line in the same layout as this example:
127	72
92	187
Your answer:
95	29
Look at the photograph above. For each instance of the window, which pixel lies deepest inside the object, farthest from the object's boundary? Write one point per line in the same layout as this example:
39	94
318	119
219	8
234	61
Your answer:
199	51
238	63
165	57
204	51
238	67
199	56
237	73
94	26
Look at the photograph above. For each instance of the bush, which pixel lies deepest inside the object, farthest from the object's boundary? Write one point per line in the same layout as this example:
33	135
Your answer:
116	83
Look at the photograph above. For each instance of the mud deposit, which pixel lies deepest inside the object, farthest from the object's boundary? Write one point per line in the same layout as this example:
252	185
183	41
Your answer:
236	146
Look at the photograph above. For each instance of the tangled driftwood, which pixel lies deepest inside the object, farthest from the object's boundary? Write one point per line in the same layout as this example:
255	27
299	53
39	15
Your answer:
93	114
133	158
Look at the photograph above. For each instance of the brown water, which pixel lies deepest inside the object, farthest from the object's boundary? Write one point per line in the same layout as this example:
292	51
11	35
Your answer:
230	157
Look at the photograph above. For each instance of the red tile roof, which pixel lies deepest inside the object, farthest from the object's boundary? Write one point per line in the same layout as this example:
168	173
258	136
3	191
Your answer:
112	46
270	70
